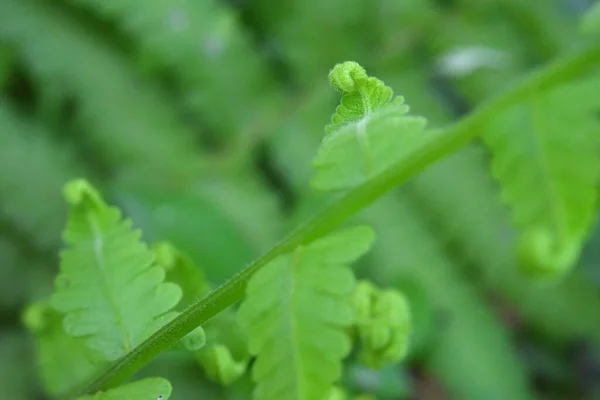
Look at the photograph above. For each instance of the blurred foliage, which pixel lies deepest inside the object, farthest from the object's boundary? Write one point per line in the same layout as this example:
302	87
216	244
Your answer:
200	120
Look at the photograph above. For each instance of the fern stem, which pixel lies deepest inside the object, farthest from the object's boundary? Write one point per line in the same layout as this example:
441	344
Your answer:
440	144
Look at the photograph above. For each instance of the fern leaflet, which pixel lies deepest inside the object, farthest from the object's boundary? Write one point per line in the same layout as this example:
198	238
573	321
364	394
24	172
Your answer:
368	133
549	172
108	286
296	311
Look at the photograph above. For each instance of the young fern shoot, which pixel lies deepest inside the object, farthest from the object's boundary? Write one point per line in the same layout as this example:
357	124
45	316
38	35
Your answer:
369	131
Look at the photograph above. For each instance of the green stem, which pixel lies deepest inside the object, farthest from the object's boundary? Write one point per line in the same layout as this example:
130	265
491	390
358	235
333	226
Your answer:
438	145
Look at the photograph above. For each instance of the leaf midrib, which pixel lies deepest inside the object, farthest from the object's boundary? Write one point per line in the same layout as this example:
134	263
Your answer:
101	268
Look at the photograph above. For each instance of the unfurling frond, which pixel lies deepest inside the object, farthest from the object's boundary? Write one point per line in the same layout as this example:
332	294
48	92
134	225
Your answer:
546	156
383	323
297	311
109	288
370	130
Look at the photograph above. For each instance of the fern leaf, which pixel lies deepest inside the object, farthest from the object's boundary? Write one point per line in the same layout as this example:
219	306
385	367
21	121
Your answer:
108	288
30	164
549	171
145	389
369	131
296	311
128	122
63	361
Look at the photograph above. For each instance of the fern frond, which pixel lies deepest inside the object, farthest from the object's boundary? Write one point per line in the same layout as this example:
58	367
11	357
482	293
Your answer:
296	311
203	44
32	164
369	131
546	155
63	360
130	124
108	287
145	389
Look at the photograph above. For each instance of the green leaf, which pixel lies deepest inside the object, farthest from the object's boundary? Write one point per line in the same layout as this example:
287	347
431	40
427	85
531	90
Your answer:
145	389
108	288
368	133
546	155
296	310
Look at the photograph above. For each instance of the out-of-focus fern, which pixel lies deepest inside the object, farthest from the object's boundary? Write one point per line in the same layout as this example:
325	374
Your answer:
369	130
545	154
296	310
23	276
295	32
108	288
203	43
130	124
32	164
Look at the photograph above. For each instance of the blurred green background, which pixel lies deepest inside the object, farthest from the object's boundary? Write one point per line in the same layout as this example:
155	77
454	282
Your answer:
199	118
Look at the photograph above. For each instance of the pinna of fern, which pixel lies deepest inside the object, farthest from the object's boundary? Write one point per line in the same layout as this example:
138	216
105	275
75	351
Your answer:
545	155
368	132
109	296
